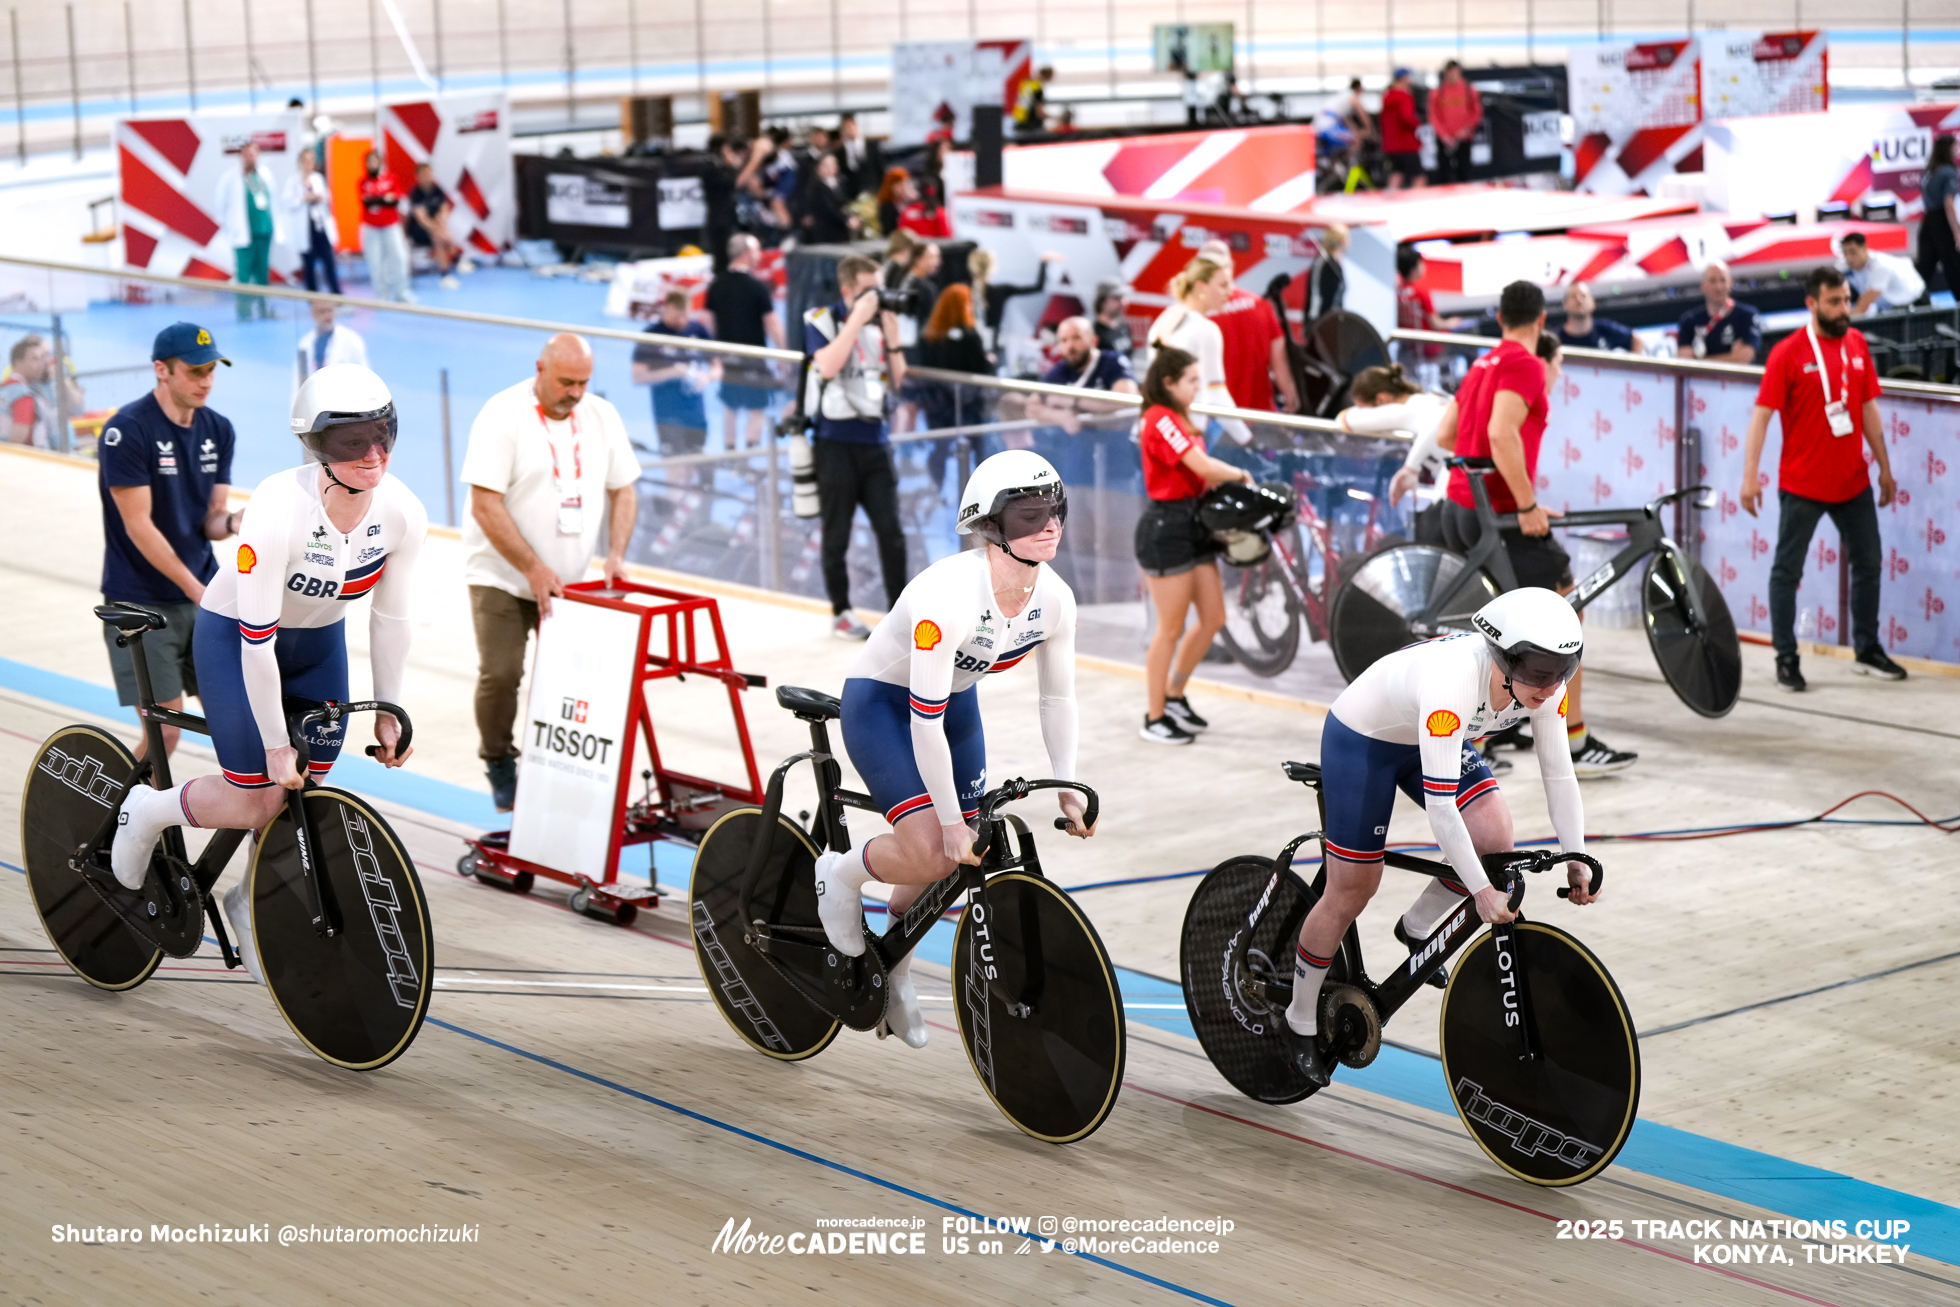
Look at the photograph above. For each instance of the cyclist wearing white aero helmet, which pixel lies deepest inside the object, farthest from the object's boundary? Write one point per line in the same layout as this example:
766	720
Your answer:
1407	723
271	626
911	712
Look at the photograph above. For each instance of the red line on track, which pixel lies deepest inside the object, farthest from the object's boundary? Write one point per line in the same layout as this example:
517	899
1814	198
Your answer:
1445	1184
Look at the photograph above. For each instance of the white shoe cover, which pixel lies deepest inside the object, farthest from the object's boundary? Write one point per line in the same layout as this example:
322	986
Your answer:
238	916
136	839
840	907
902	1014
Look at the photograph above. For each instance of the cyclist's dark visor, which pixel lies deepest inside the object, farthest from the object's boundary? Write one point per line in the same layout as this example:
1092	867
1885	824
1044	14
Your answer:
350	442
1538	668
1030	515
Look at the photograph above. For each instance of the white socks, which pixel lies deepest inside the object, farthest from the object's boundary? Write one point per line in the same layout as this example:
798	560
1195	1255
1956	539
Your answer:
902	1014
1303	1013
146	813
238	915
1436	899
840	905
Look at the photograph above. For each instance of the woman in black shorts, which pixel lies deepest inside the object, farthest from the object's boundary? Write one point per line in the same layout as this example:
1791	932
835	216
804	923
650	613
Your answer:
1173	549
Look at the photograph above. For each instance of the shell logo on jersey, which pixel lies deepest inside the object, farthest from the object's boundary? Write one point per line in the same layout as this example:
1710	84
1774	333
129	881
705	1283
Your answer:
247	560
1562	701
926	635
1443	722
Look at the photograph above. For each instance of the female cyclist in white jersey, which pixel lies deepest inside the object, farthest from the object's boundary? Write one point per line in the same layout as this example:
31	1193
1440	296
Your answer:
271	625
911	716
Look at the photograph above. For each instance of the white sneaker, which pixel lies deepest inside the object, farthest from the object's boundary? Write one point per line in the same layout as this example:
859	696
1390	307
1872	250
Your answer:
848	627
238	916
136	839
902	1014
466	265
840	908
449	282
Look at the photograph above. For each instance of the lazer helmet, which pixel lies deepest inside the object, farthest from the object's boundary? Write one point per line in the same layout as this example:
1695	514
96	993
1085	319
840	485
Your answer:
1535	637
1011	496
1240	516
341	412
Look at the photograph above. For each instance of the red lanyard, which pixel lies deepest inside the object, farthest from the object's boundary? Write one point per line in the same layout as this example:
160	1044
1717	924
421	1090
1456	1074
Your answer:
578	462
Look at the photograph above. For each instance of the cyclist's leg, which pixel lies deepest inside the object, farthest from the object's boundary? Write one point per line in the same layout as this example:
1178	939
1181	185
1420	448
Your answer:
1359	789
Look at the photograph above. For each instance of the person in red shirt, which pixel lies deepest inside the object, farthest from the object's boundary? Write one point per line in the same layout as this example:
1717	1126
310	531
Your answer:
1255	348
1500	413
1455	113
1173	549
382	243
1399	122
1822	469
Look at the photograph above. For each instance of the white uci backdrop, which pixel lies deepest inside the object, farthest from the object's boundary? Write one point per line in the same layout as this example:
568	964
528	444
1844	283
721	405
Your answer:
1612	442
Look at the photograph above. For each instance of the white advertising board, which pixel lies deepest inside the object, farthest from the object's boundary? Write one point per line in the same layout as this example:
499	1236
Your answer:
1744	74
573	736
957	74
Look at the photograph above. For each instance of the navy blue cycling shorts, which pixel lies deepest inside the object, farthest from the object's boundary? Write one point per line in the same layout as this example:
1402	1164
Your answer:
1359	779
877	722
312	669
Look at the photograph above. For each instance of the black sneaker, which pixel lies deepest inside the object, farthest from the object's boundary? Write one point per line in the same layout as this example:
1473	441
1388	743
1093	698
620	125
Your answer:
1515	736
503	783
1873	662
1439	978
1788	677
1597	758
1488	752
1305	1054
1180	711
1163	730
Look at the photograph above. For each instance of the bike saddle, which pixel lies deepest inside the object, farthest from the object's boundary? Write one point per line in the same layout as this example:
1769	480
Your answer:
1474	464
1307	773
810	705
128	617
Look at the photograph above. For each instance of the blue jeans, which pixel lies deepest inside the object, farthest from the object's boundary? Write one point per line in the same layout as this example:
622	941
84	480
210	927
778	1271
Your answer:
1857	523
317	263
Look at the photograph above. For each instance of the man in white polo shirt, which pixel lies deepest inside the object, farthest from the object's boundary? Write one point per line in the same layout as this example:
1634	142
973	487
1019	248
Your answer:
546	465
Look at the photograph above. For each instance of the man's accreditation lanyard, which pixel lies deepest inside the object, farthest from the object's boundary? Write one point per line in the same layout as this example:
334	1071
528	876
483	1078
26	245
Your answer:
571	500
1703	333
1835	411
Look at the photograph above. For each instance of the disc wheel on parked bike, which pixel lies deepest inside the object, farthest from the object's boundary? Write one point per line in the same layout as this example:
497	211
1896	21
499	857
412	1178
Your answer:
1262	616
1370	617
77	783
1055	1065
356	998
762	1006
1702	661
1229	994
1563	1118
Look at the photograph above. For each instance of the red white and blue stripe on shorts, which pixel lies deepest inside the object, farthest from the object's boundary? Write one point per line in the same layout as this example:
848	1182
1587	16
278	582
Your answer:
913	804
257	634
258	780
361	580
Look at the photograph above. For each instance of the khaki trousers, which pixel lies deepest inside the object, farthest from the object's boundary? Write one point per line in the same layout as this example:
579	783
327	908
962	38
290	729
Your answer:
503	624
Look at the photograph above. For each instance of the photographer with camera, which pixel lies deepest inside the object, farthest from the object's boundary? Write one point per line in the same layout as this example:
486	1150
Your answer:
854	367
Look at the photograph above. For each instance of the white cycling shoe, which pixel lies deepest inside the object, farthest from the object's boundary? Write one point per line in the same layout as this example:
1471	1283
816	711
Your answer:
840	906
238	916
903	1016
136	839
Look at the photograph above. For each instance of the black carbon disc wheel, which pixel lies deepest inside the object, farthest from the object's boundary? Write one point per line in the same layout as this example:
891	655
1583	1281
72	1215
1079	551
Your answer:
1262	618
1054	1068
1702	662
1239	1024
356	999
77	782
1371	614
1563	1118
763	1007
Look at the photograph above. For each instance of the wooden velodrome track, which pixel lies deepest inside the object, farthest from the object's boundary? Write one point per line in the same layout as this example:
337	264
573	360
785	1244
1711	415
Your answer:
577	1102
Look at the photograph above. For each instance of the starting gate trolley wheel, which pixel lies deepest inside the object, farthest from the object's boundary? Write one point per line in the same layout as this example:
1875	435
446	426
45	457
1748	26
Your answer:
770	1014
1054	1066
356	998
1229	995
78	781
1561	1119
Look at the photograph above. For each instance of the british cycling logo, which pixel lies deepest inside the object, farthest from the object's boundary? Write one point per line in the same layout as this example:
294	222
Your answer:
927	635
1443	723
112	437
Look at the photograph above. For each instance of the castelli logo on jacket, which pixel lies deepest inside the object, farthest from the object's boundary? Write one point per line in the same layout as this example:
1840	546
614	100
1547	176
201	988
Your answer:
926	635
1443	722
247	560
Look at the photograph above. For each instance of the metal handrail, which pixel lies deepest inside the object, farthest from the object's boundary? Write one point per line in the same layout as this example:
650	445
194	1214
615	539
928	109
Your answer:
1678	366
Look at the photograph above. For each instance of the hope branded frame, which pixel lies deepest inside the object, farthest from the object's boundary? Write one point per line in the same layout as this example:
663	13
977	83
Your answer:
663	639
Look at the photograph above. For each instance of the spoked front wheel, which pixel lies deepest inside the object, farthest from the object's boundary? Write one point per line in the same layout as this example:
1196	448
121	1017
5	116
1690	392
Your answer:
1702	661
1262	616
761	1005
1039	1008
356	998
1563	1117
77	783
1373	611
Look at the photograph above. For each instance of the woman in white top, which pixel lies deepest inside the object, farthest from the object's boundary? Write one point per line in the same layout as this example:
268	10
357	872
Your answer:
1202	288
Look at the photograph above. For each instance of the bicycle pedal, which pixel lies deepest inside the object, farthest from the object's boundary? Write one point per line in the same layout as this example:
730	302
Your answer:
167	913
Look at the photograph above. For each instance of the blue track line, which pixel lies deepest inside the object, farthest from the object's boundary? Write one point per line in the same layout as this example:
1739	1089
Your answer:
794	1151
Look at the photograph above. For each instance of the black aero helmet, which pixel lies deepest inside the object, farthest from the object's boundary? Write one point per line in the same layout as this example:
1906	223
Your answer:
1236	506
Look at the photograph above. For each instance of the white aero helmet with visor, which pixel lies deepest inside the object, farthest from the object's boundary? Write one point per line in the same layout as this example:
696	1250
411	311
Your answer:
341	412
1011	496
1535	637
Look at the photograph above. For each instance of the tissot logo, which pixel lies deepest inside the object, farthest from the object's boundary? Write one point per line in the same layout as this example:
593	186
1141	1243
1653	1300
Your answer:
573	710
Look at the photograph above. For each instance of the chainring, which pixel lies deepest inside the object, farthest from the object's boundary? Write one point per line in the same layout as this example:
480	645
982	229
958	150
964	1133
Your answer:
1350	1016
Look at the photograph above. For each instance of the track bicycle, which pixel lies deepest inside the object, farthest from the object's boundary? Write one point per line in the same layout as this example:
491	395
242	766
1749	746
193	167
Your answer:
338	916
1412	592
1039	1009
1538	1047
